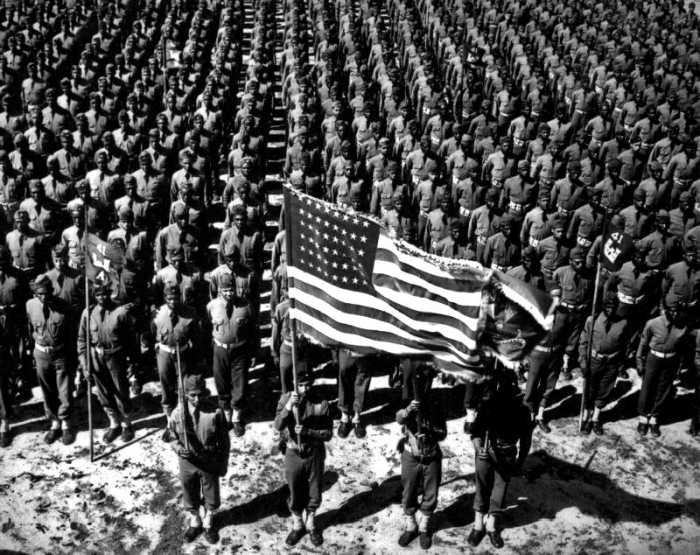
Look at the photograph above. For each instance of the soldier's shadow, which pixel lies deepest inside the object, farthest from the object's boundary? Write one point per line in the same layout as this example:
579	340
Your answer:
265	505
363	504
551	484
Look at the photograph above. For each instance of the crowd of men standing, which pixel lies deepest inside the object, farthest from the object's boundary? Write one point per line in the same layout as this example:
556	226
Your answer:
541	139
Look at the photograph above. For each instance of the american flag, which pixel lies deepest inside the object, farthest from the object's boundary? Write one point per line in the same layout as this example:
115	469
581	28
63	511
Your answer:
351	285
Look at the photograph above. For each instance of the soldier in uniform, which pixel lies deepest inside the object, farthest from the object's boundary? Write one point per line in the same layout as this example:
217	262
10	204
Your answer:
27	247
234	335
574	289
607	338
305	422
501	435
179	274
112	345
51	326
281	344
175	327
663	340
200	439
423	426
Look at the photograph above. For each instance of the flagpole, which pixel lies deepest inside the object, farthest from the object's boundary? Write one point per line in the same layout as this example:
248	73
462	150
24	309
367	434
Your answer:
589	347
292	322
88	355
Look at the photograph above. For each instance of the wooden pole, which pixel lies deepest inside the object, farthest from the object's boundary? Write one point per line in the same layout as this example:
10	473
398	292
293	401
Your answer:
88	357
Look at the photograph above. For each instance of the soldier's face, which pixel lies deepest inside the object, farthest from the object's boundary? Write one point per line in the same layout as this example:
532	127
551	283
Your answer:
101	297
577	264
194	399
171	301
59	262
227	294
239	221
42	295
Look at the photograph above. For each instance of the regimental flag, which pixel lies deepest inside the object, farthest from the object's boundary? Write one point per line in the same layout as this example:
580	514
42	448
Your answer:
101	258
350	285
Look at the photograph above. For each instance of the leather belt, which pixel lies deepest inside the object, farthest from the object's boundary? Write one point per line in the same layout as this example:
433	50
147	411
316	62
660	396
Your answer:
543	349
571	306
659	354
48	348
227	345
629	299
604	356
173	350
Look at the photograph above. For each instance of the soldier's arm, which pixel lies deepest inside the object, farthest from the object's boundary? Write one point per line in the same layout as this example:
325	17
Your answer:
643	346
82	339
583	343
283	412
275	338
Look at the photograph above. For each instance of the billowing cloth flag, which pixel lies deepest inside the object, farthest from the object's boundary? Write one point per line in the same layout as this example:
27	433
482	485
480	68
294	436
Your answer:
101	258
351	285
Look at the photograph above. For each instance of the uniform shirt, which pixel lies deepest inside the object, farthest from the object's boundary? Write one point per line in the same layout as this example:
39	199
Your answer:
609	337
436	228
178	327
571	287
659	335
27	249
13	296
535	279
681	283
249	243
660	249
314	416
508	422
50	323
501	253
244	280
281	328
68	286
188	284
233	325
111	329
207	438
172	238
433	427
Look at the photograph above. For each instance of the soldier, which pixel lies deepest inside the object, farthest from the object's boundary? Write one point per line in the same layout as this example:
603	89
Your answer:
423	426
179	274
502	251
200	439
249	241
51	326
607	340
27	247
281	344
501	435
305	422
663	340
354	377
175	327
574	290
112	347
233	266
180	234
234	334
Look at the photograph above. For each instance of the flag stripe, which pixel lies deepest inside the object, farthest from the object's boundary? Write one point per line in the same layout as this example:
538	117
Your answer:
452	296
462	330
364	343
476	271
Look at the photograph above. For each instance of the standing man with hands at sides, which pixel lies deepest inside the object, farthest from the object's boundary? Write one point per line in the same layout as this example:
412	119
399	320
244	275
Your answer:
200	439
305	422
502	435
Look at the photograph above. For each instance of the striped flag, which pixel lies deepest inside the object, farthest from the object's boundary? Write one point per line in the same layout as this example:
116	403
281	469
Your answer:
351	285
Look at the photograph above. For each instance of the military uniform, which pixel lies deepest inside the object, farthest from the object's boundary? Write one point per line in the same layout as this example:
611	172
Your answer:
658	360
51	327
172	328
234	335
305	455
112	346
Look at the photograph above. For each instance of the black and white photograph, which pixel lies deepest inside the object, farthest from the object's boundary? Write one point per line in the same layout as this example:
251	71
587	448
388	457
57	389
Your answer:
349	277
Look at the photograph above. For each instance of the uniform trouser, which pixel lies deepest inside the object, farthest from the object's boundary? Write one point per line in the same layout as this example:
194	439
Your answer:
600	382
6	368
408	371
354	376
492	478
417	474
230	366
55	381
113	385
198	486
541	378
167	373
567	329
304	477
422	224
287	368
657	384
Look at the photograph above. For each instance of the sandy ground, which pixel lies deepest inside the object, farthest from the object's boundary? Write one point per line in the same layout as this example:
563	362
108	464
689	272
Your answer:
613	494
